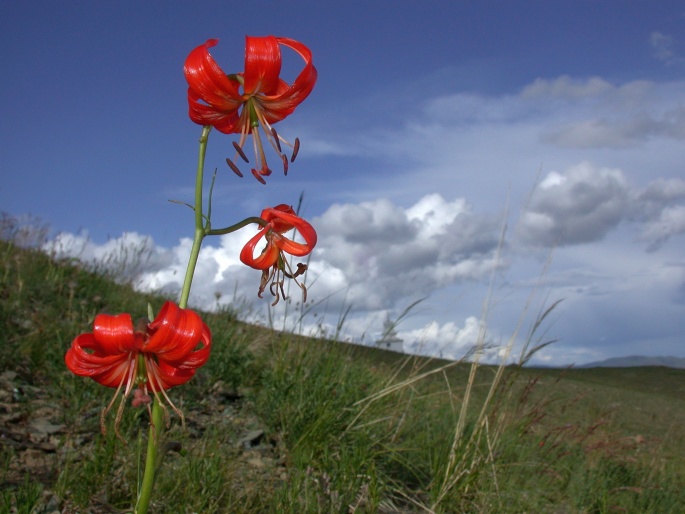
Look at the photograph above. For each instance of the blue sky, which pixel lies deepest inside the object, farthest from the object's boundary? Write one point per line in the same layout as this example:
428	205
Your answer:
431	124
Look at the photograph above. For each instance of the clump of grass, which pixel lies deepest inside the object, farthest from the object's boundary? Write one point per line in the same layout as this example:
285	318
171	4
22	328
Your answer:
22	499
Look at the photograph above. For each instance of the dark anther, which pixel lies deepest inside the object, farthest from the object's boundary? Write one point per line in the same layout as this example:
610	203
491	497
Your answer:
240	152
258	175
296	149
301	268
275	287
233	167
285	164
278	143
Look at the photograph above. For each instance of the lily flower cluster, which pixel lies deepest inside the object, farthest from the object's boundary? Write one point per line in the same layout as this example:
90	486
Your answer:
145	359
215	99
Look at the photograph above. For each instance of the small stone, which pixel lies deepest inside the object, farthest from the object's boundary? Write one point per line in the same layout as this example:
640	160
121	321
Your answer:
251	439
43	426
256	462
8	376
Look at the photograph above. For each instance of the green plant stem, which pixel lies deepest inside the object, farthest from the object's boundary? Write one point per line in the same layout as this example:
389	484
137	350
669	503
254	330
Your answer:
157	426
237	226
153	441
200	229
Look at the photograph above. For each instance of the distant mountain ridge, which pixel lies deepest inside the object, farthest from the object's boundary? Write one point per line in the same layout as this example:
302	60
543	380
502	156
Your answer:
637	361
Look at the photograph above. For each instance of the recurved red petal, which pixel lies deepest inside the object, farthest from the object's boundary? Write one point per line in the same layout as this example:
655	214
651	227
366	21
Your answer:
227	122
262	65
208	82
199	356
266	259
179	336
168	376
281	104
289	246
113	335
108	370
284	216
278	223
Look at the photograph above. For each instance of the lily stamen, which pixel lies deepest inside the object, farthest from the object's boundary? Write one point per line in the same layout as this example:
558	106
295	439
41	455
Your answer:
233	167
296	148
264	170
277	283
276	138
239	149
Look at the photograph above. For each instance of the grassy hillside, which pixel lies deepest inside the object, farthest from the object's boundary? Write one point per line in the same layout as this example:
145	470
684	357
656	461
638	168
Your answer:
279	423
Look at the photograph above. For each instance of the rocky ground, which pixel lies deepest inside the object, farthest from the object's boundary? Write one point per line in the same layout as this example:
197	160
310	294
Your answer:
35	442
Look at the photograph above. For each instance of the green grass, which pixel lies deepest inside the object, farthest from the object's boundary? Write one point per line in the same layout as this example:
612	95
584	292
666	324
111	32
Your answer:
345	428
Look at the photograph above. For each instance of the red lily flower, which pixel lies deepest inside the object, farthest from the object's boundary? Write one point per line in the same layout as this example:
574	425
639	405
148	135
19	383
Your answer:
151	357
215	98
272	261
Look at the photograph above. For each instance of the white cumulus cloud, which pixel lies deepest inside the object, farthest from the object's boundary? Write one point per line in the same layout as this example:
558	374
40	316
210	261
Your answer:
579	206
385	252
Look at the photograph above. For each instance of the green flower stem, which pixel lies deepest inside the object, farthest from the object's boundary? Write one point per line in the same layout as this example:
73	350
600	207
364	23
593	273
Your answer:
237	226
157	426
153	441
200	230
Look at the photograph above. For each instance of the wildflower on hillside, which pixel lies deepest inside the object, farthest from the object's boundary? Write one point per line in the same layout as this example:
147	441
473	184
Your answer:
272	261
215	98
149	357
